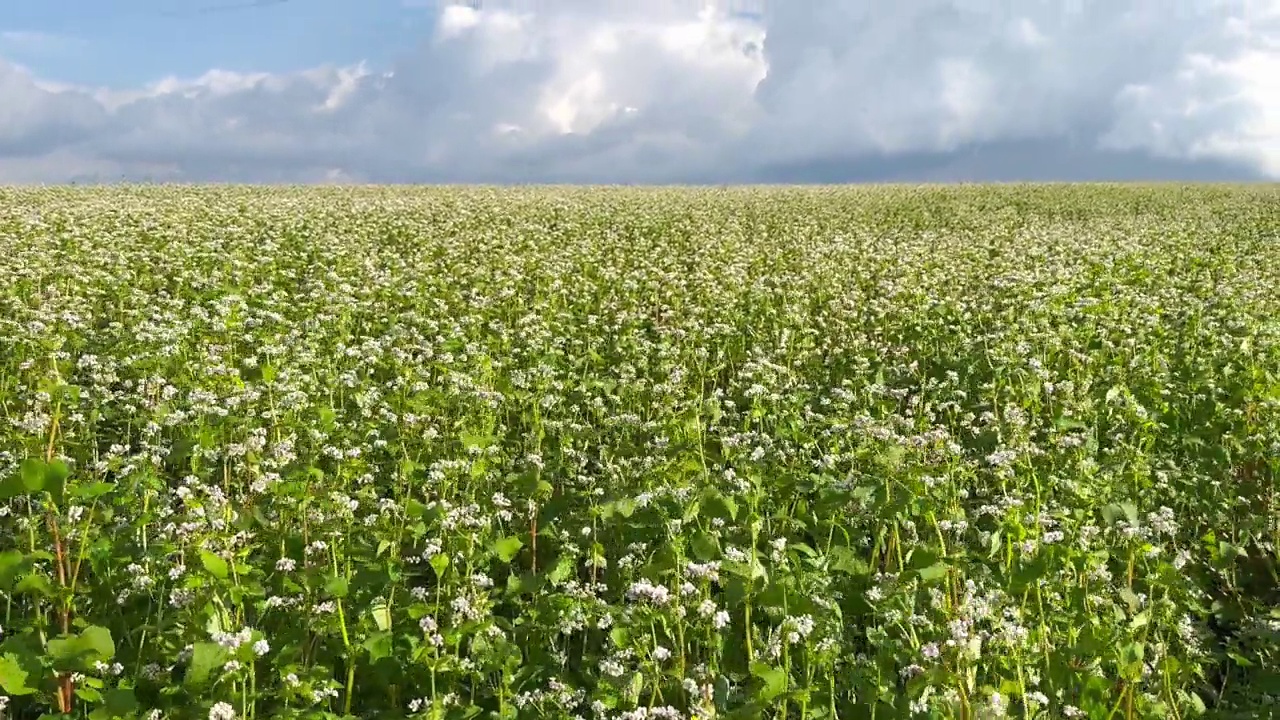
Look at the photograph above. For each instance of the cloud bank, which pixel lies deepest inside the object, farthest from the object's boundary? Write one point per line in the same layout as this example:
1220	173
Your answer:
814	91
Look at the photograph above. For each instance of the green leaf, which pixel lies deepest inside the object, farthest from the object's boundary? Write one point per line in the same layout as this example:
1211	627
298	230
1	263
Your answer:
635	686
562	571
705	547
1229	552
336	586
515	585
774	681
439	563
1116	511
32	472
415	509
620	636
55	478
730	506
507	547
92	645
64	651
213	618
474	441
214	564
205	658
1130	512
381	615
120	702
1240	660
1069	423
842	559
11	563
720	694
1131	657
34	584
625	507
937	571
378	645
87	693
92	490
922	557
13	678
11	487
802	549
892	457
720	505
994	544
97	640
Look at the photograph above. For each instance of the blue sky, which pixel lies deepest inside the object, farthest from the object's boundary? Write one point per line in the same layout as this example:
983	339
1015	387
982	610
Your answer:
638	92
125	43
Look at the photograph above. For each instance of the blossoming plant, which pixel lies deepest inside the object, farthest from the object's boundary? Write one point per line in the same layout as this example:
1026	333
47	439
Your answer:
808	454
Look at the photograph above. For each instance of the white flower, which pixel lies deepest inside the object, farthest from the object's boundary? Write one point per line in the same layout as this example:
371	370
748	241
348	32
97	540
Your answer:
222	711
648	592
998	705
709	571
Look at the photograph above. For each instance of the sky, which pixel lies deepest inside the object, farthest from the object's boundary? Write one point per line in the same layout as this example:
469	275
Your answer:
618	91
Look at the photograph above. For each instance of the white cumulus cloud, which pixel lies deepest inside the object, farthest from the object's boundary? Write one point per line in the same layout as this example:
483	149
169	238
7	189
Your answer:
608	91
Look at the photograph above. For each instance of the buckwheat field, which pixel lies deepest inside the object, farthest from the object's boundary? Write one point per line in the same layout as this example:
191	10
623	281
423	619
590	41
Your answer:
629	454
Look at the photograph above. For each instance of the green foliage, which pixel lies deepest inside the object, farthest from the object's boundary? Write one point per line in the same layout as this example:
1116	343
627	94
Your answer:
789	453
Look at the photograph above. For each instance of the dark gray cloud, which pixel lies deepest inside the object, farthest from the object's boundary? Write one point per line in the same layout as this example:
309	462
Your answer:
823	91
